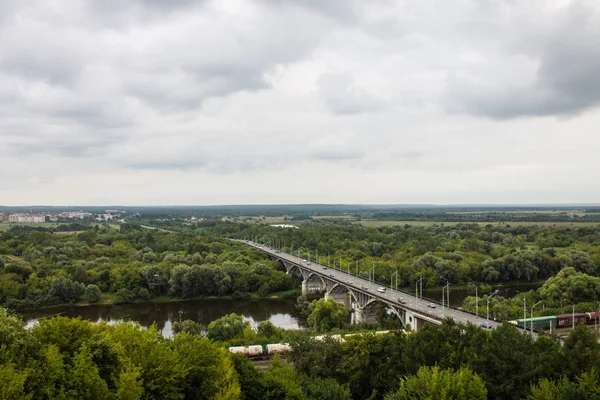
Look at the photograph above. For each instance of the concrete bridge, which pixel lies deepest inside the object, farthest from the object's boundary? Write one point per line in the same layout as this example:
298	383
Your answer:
363	296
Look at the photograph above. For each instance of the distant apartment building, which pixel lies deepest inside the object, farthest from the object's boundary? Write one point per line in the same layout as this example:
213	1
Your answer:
74	215
27	218
3	217
104	217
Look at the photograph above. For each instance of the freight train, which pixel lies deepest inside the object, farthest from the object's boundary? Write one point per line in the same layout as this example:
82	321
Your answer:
557	321
258	351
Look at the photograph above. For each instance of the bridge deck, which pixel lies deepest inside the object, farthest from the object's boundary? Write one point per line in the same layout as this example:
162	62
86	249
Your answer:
413	304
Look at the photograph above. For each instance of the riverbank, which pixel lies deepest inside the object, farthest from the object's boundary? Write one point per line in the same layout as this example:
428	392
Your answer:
281	312
108	299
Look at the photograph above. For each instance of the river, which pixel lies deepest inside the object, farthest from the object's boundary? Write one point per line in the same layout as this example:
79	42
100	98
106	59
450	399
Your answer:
279	311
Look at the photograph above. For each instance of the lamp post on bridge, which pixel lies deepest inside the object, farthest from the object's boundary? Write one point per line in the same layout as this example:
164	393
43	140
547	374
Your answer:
532	307
417	288
446	288
487	319
572	314
525	311
373	275
392	280
476	299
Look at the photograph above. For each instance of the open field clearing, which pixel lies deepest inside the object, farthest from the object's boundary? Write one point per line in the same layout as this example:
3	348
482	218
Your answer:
4	226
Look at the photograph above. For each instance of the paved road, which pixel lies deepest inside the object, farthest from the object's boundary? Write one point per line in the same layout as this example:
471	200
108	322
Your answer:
418	305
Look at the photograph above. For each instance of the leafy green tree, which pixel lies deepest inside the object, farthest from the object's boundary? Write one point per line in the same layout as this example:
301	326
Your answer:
129	386
281	382
12	329
441	384
585	387
572	285
209	370
187	326
65	290
12	383
176	280
315	358
326	314
92	293
85	381
582	351
268	330
227	327
320	388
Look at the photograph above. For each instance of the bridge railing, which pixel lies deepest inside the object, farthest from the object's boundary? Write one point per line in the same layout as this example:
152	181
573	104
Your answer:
437	302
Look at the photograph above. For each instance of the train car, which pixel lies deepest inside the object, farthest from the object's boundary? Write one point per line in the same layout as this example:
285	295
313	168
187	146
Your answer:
278	348
538	322
338	338
254	350
592	316
566	320
382	332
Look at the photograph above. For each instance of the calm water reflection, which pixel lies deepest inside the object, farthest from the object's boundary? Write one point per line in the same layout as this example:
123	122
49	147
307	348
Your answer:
279	311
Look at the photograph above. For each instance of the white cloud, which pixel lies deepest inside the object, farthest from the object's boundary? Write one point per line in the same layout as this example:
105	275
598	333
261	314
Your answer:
204	102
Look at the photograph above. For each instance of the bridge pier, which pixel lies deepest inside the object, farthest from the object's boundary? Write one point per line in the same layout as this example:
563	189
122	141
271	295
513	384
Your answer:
345	298
309	288
364	316
410	320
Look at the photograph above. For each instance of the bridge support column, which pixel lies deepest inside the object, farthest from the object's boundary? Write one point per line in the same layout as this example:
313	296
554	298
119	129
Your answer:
304	288
362	315
344	298
410	320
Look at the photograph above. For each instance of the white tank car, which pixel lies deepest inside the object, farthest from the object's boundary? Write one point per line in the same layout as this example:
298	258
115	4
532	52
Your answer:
248	351
278	348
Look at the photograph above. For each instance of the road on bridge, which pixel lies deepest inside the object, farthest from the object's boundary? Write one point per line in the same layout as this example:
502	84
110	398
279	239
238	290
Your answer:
414	304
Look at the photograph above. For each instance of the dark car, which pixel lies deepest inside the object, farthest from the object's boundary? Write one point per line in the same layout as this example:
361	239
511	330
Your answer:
487	325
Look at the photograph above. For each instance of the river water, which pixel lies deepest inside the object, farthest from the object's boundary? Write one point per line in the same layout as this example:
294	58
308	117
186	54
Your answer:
281	312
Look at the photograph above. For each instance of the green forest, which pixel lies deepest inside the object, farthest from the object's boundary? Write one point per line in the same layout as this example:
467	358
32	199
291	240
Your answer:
64	358
110	263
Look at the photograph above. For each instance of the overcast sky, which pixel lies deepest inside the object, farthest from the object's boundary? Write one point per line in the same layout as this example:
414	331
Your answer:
152	102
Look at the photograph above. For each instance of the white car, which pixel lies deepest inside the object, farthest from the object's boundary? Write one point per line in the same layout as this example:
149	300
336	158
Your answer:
381	289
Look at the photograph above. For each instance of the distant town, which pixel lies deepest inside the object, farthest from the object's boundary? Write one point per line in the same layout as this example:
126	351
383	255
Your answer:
43	217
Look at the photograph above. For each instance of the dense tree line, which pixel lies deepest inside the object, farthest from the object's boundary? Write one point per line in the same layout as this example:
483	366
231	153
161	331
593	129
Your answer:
460	253
70	358
40	268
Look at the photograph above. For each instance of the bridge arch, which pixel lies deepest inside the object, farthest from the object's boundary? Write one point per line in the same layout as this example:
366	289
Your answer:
294	271
310	277
341	288
280	265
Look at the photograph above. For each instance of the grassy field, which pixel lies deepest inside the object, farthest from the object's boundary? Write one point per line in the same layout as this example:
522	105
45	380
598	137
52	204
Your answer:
4	226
